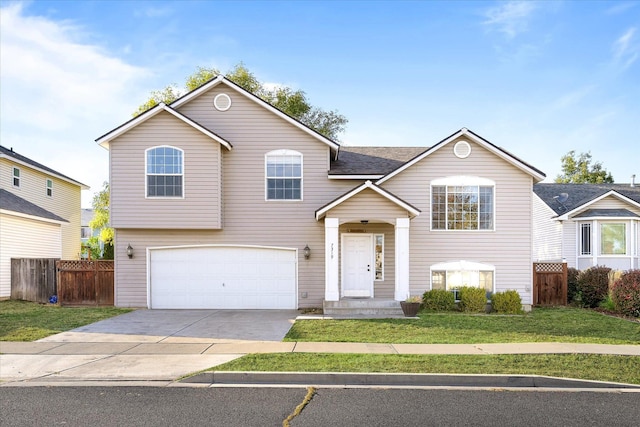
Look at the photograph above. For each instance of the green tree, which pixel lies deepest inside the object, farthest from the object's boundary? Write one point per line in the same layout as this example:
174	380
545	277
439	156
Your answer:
580	170
100	221
292	102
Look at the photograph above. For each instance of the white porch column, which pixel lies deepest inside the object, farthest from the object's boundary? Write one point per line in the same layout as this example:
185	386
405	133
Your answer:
402	259
331	290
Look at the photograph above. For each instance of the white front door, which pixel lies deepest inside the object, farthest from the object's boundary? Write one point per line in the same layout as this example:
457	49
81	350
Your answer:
357	265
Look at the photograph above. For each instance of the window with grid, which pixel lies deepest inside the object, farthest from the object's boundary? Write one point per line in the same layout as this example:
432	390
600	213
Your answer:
454	275
585	239
164	172
462	207
283	175
16	177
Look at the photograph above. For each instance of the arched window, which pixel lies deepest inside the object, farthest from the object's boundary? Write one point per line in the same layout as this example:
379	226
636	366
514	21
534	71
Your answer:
462	203
454	275
283	175
164	170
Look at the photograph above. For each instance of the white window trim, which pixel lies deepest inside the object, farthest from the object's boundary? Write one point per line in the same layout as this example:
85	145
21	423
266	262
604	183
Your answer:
375	237
462	266
626	253
580	254
49	188
463	180
283	152
146	181
14	177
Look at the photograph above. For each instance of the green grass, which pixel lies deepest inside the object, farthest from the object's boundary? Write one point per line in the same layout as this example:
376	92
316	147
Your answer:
564	324
623	369
29	321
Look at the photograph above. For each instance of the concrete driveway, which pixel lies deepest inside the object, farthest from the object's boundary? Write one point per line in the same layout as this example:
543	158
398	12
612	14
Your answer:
185	326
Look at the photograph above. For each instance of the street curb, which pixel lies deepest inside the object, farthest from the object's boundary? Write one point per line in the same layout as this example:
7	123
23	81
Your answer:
399	380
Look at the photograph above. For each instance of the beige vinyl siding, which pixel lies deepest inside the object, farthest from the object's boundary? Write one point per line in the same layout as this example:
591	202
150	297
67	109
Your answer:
612	202
25	238
64	202
508	248
367	205
200	206
547	232
248	218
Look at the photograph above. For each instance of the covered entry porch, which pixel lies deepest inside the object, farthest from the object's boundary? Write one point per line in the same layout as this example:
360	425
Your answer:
366	251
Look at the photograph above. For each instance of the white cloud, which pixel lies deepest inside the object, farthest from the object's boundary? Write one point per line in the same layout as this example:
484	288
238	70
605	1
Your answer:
59	94
626	48
510	18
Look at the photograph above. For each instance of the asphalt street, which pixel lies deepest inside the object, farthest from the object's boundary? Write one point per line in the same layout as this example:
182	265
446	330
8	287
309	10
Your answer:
171	406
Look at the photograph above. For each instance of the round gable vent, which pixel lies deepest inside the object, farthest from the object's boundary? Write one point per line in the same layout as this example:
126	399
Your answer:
222	102
462	149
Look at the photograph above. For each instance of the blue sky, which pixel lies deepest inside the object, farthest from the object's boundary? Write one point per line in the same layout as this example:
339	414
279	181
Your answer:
536	78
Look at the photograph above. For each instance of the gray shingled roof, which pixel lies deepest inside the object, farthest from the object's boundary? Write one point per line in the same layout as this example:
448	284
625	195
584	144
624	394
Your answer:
372	160
11	202
19	157
580	194
611	213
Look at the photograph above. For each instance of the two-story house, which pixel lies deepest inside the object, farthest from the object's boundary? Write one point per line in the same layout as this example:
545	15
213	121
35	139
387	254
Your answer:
39	213
220	200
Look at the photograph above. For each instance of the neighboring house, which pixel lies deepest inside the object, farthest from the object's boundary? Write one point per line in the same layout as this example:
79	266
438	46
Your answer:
587	224
39	213
85	230
226	202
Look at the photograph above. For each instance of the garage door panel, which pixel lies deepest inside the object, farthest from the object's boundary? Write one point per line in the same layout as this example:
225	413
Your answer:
223	277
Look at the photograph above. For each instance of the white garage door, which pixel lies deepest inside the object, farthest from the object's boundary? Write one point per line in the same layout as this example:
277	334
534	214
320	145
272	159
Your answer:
226	277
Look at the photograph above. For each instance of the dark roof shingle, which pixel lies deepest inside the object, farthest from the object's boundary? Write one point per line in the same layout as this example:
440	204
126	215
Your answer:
372	160
579	194
11	202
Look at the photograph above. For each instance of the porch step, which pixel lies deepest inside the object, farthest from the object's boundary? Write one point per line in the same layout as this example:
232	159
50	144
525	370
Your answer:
363	306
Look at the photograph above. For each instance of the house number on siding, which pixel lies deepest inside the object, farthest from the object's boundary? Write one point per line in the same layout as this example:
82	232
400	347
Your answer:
332	251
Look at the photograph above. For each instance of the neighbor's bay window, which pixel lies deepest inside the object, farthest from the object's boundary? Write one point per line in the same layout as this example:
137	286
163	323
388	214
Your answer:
462	203
164	170
613	239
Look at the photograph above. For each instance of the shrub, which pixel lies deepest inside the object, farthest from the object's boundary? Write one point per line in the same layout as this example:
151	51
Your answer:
593	285
508	302
472	300
572	283
438	300
626	293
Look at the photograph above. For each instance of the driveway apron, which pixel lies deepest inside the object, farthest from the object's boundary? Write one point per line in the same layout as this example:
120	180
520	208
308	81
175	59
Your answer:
184	326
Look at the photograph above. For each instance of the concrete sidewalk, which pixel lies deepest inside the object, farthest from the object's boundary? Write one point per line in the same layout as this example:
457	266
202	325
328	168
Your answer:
138	360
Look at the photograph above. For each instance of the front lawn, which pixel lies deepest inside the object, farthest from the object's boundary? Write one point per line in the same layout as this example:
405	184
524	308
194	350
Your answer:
30	321
623	369
562	324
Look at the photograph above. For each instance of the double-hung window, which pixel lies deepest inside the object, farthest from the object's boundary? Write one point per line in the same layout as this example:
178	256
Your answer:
585	238
462	203
283	174
16	177
49	188
165	172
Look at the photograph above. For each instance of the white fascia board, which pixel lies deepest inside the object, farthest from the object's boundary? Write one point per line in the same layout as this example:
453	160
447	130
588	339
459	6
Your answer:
465	132
219	79
347	177
320	214
584	207
46	172
104	140
31	217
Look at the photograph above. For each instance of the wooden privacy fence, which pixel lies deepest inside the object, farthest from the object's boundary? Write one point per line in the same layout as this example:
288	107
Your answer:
85	282
33	279
550	284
